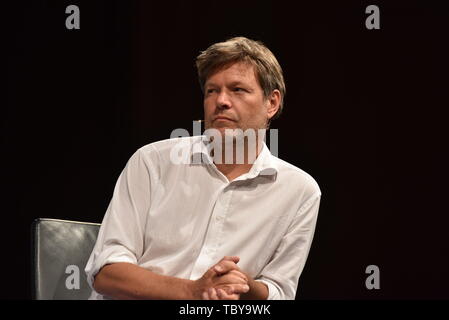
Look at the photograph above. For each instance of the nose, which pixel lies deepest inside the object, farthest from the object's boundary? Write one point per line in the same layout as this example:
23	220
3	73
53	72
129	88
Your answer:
223	100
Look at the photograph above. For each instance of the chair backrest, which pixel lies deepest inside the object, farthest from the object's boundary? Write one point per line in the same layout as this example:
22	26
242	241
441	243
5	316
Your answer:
60	250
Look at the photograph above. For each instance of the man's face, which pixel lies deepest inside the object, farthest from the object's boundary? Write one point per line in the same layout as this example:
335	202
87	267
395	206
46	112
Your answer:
234	99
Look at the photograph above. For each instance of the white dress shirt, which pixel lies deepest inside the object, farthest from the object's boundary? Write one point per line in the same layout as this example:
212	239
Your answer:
181	219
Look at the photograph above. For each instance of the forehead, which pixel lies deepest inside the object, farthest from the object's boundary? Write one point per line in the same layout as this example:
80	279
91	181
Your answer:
237	71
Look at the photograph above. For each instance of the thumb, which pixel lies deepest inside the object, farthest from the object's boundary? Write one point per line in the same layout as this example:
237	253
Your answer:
226	264
234	259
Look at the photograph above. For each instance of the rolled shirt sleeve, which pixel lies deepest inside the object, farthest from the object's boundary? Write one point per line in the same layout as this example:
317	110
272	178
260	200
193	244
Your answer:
121	235
282	273
150	176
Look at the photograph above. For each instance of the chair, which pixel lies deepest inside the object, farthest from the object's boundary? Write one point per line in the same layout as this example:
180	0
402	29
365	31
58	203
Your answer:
61	249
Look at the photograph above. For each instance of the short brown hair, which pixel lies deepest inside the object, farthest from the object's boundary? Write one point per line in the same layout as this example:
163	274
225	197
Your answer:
241	49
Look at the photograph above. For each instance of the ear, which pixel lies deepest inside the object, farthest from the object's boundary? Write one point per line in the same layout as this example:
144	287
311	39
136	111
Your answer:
273	103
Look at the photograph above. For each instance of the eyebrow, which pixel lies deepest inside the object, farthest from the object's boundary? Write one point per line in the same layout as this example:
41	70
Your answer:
232	84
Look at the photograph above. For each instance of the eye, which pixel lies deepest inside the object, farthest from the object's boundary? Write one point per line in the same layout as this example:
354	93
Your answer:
238	89
209	91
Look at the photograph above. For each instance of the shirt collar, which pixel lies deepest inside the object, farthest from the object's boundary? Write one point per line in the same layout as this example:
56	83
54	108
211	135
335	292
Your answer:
264	164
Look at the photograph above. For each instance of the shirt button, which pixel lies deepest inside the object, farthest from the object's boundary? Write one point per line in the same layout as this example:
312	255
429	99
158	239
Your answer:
218	218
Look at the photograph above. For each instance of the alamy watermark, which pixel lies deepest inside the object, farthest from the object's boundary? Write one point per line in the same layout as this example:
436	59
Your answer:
72	282
373	20
73	20
373	280
226	146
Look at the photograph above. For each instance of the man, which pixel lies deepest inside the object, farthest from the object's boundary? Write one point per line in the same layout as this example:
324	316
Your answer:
216	228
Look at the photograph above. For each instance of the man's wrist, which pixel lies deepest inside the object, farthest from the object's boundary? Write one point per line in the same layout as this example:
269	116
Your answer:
257	290
191	290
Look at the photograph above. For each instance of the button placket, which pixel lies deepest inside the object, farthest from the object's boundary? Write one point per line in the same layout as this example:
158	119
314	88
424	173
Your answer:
207	255
218	218
222	217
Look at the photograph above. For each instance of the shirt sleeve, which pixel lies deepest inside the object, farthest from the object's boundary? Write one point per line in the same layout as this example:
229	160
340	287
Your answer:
282	273
121	235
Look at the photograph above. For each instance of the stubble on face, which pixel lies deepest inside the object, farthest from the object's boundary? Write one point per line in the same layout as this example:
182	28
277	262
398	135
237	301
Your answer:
234	92
235	110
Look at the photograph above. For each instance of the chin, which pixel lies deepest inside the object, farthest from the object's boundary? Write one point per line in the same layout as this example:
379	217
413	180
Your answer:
221	130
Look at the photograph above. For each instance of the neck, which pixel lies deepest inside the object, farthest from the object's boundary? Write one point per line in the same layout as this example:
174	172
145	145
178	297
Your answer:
237	158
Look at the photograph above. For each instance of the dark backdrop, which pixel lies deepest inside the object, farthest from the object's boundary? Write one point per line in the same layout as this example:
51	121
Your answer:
364	115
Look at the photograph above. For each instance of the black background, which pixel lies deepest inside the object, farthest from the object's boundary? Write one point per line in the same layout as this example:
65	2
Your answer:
364	115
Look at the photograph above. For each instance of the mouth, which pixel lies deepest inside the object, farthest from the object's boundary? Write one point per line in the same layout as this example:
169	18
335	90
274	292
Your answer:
223	119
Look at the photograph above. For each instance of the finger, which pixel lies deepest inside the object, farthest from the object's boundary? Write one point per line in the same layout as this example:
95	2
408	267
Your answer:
222	295
224	266
237	288
213	294
228	290
205	295
229	279
235	259
210	273
239	274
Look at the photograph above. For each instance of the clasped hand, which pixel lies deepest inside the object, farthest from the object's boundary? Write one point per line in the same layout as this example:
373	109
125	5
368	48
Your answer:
223	281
